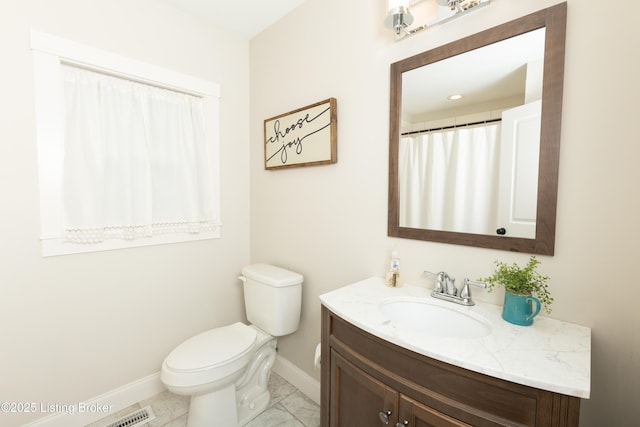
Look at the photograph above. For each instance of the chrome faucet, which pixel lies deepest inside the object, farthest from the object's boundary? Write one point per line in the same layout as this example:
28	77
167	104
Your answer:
445	288
445	284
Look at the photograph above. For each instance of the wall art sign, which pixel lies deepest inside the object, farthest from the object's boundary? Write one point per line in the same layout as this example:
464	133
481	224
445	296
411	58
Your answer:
303	137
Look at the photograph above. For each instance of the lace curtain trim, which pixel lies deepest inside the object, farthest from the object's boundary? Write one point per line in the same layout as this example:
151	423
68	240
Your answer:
98	235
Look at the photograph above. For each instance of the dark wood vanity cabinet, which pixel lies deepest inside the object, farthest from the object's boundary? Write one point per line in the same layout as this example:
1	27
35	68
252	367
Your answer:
368	382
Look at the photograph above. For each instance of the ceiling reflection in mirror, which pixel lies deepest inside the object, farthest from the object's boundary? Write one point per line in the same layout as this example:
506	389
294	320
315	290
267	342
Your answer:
465	165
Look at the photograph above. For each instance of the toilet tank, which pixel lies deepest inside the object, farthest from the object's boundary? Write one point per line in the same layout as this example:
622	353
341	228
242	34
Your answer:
272	298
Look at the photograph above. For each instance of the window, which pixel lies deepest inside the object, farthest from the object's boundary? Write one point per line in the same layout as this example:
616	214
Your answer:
127	152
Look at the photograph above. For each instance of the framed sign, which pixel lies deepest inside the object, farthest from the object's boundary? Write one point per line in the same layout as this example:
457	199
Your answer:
303	137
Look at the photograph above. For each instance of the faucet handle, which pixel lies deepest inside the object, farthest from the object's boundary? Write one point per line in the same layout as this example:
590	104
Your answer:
475	283
466	292
439	286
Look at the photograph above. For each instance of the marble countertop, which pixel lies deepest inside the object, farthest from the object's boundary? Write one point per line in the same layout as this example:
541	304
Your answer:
550	354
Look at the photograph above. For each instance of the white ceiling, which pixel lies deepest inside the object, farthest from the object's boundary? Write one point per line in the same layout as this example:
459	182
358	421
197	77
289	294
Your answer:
492	72
245	18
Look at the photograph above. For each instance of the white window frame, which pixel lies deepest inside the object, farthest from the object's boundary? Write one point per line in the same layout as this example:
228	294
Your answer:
49	52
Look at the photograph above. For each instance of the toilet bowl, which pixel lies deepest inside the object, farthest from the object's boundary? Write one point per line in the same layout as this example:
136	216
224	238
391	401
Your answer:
227	384
201	364
226	370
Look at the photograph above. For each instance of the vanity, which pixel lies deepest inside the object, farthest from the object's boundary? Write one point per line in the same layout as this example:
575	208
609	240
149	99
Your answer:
379	371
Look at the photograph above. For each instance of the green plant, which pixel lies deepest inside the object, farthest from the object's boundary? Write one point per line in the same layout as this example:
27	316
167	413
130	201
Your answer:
523	281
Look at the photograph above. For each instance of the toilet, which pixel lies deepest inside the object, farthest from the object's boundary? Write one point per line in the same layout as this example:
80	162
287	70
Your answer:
226	370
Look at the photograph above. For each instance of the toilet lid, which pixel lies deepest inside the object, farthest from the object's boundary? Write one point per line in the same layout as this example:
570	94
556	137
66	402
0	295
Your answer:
211	348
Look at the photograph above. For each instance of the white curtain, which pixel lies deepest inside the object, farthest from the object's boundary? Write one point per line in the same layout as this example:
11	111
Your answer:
136	161
448	180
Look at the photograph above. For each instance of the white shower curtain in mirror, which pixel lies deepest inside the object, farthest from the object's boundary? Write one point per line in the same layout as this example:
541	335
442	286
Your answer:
448	180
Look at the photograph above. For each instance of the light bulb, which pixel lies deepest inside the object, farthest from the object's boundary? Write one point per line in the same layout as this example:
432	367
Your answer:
397	3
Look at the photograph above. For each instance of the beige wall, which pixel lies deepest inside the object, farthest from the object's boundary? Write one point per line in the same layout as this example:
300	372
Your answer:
74	327
329	222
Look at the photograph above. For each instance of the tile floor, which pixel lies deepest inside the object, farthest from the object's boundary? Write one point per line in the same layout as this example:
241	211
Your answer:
288	408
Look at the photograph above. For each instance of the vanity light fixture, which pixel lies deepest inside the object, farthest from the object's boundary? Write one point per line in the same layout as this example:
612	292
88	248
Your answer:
399	18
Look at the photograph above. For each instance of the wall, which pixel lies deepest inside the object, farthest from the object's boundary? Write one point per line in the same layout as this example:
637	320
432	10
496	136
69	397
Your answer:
74	327
329	222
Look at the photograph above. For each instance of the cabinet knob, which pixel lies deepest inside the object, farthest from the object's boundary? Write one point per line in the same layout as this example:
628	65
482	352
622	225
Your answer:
384	416
405	423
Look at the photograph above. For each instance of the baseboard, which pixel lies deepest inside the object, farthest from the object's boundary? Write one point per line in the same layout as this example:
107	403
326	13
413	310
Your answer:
81	414
298	378
99	407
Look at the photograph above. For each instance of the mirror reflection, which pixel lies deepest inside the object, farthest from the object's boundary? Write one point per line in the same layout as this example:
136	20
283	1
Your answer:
469	145
481	170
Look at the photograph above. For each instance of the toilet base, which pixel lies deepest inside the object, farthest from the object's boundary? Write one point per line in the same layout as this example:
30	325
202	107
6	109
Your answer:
252	394
213	409
252	410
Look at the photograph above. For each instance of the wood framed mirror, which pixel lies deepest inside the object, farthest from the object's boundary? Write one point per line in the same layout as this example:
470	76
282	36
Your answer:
521	196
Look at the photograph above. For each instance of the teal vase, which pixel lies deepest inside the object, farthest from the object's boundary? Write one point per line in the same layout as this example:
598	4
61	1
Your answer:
520	309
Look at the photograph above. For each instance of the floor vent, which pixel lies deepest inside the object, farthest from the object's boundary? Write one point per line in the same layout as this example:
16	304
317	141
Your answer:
135	419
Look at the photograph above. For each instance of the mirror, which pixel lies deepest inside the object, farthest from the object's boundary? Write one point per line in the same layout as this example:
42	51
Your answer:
483	170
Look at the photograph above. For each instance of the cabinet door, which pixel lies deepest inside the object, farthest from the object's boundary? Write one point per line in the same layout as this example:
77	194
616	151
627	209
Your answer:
416	414
358	399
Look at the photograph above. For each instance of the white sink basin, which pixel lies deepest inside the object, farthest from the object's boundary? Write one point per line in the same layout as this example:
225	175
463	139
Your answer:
435	319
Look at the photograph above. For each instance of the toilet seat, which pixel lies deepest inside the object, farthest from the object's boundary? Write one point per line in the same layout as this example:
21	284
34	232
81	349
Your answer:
210	355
